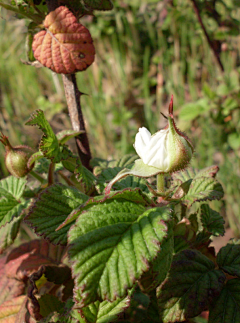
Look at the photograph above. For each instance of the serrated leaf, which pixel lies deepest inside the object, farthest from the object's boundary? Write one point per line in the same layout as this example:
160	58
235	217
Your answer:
99	4
9	287
65	46
85	177
111	246
190	286
65	135
202	189
51	208
191	173
139	169
9	309
135	195
28	257
49	145
34	157
228	259
126	161
104	312
70	164
11	205
160	266
49	303
9	232
23	12
212	221
131	181
226	308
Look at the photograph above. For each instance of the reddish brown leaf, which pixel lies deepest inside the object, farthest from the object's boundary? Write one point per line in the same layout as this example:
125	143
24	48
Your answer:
65	46
23	315
9	287
9	309
27	258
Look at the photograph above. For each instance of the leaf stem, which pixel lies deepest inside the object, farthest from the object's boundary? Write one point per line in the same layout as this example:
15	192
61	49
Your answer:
51	174
160	183
37	176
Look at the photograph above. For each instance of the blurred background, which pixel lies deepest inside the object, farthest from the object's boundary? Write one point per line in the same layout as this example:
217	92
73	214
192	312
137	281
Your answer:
146	51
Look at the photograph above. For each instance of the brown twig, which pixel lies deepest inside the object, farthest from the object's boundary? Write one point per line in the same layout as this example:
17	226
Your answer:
216	54
73	95
73	101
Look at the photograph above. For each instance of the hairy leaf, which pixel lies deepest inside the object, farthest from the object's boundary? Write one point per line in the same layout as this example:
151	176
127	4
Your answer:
28	257
9	232
51	208
85	177
212	221
65	46
11	204
49	145
111	246
226	308
104	312
108	174
190	286
65	135
228	259
9	309
135	195
202	189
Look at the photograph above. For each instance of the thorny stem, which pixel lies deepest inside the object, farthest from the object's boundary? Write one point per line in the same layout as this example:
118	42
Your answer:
73	95
216	54
73	101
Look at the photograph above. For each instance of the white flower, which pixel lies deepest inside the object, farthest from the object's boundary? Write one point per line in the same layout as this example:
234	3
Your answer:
153	150
169	149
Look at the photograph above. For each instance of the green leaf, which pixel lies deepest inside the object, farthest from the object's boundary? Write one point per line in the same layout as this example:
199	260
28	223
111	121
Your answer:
49	145
99	4
70	164
85	177
9	232
49	303
112	244
192	110
11	205
226	308
65	135
51	208
202	189
104	312
228	259
38	18
131	181
34	157
160	266
135	195
190	173
190	287
139	169
212	221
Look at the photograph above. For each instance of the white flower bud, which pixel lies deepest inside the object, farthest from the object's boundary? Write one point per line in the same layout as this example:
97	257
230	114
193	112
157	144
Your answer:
169	149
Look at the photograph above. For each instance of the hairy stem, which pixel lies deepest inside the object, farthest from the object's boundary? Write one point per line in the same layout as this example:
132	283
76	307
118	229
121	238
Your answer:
215	52
51	174
160	183
37	176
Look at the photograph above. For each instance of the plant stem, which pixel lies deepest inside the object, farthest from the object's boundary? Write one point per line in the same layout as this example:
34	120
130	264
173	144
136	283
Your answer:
37	176
51	174
215	52
160	183
73	95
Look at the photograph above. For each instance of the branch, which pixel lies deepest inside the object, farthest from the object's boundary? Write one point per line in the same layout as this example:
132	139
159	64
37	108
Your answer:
216	54
73	101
